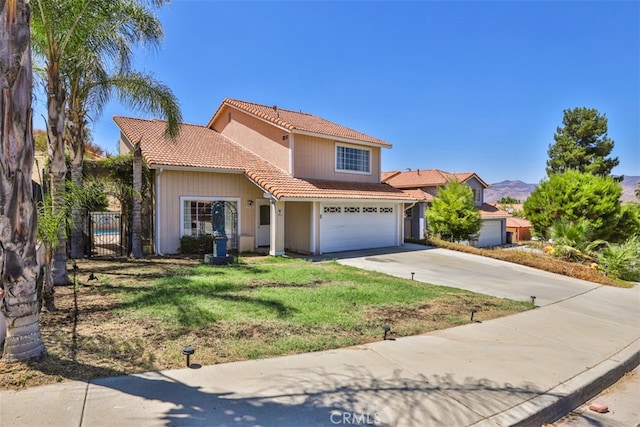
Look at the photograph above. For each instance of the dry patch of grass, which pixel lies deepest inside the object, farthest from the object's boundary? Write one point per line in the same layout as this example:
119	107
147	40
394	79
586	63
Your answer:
139	314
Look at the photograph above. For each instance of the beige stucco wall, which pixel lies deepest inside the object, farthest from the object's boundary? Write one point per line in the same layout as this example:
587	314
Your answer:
315	158
176	184
258	136
297	227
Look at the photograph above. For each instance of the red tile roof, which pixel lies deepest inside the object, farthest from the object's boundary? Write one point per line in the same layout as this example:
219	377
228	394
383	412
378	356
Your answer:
488	211
297	121
516	222
201	147
419	195
426	178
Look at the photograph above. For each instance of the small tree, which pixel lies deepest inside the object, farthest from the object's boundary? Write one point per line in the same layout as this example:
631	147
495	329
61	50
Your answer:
452	215
582	144
89	197
574	196
508	201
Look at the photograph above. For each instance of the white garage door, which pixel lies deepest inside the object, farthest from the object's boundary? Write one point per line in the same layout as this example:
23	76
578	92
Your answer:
490	233
345	226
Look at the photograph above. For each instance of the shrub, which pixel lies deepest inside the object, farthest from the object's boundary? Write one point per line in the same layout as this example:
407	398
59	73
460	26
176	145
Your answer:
622	261
193	245
573	241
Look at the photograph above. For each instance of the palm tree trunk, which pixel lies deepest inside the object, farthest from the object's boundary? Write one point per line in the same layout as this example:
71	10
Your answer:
57	167
18	219
136	233
76	134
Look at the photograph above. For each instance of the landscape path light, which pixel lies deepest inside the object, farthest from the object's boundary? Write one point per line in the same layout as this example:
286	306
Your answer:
386	329
188	351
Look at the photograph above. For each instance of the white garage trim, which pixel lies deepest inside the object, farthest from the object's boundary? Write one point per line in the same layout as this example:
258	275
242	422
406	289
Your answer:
353	226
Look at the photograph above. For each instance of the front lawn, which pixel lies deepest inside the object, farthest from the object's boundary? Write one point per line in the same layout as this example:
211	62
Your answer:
140	314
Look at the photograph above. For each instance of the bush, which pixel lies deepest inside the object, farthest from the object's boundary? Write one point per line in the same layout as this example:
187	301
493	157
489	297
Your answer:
573	240
622	261
195	245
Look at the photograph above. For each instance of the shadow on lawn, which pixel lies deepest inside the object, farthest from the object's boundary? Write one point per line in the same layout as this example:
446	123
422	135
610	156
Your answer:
150	270
310	397
182	295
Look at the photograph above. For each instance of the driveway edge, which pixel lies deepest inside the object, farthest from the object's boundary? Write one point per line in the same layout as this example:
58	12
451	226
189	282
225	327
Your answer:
567	396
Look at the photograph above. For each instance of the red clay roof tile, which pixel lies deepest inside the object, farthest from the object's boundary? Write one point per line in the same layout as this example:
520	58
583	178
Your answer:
201	147
298	121
426	178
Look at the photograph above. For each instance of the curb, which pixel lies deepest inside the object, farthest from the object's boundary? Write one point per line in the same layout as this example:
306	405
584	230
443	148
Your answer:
565	397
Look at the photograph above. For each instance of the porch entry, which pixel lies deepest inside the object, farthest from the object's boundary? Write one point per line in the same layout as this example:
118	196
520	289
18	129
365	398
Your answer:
263	234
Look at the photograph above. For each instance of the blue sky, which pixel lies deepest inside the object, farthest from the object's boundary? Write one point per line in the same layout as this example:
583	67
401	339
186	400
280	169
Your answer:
460	86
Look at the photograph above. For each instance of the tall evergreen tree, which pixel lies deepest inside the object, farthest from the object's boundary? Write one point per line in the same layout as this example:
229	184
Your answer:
582	144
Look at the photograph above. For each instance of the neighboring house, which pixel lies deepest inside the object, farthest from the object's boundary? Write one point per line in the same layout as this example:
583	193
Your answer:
288	180
520	227
423	184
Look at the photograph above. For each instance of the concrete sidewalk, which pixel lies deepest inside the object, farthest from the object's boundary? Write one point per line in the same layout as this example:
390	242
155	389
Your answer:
525	369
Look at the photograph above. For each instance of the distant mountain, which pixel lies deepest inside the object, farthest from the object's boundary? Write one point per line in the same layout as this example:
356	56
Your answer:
517	189
521	190
629	185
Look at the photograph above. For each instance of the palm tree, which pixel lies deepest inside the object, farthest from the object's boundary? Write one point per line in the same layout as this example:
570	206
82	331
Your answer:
105	69
19	327
57	27
574	240
77	40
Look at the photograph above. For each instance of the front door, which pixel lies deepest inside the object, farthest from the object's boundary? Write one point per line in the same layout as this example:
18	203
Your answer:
264	223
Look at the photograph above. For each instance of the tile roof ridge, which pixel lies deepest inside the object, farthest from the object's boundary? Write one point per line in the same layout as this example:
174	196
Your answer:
271	106
115	117
277	120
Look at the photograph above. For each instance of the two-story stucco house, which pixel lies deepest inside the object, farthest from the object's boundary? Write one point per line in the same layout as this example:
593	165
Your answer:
288	180
423	184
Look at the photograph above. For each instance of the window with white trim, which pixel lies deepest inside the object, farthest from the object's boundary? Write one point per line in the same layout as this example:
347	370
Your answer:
351	159
196	216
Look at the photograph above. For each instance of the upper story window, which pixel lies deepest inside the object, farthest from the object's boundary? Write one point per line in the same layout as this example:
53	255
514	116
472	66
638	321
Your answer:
477	195
351	159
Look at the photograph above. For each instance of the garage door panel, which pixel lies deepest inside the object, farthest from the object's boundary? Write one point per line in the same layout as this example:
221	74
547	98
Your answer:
349	227
490	233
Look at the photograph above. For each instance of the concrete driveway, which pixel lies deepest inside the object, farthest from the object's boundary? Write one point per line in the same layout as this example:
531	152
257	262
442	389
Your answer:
465	271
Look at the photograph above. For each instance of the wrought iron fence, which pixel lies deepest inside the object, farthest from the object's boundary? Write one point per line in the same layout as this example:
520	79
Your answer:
106	234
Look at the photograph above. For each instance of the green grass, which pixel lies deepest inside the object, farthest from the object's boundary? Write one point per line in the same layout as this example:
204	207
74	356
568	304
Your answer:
280	289
272	306
140	314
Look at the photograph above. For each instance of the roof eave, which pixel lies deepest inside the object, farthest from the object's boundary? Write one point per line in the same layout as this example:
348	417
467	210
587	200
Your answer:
382	144
158	166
